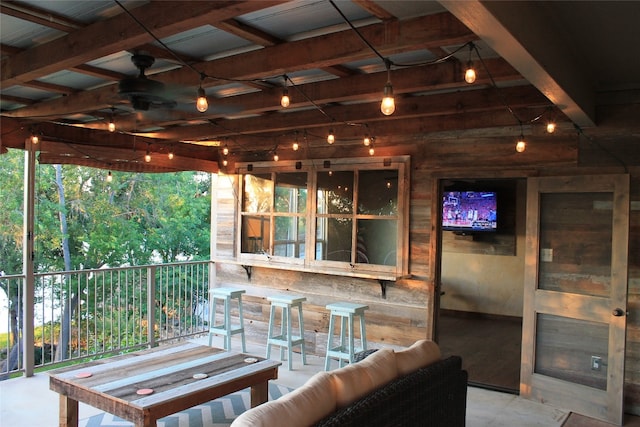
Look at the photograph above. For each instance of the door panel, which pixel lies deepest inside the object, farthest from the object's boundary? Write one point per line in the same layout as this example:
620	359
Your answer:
575	293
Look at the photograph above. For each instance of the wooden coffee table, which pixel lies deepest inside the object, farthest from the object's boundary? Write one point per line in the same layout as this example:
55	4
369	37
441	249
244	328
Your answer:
174	377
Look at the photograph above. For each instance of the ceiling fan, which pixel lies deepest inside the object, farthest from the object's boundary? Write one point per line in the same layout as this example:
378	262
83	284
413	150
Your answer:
143	92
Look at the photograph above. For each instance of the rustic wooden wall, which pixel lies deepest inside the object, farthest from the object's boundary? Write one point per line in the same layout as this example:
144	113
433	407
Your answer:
407	312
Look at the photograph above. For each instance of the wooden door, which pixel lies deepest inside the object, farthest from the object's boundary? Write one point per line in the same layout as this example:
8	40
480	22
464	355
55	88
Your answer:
575	299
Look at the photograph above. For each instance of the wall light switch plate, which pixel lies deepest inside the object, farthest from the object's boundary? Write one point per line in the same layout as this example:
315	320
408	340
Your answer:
546	255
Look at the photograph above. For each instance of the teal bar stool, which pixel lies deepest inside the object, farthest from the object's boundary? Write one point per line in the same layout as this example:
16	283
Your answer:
345	312
226	329
285	338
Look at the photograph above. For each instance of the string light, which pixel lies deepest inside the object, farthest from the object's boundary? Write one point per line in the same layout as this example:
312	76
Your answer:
147	157
331	138
109	177
201	104
225	162
275	156
366	141
371	150
470	73
225	150
521	145
170	155
34	139
388	104
112	125
285	101
551	127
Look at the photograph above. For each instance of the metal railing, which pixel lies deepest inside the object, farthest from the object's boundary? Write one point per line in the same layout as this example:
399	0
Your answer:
86	314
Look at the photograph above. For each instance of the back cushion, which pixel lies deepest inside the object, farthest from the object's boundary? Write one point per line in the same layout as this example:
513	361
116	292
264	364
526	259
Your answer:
351	383
420	354
381	366
302	407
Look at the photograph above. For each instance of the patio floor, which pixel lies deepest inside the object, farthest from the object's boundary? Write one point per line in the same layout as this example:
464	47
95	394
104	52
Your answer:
28	402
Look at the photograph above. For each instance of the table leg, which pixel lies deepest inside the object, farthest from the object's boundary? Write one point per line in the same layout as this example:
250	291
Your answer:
259	393
68	411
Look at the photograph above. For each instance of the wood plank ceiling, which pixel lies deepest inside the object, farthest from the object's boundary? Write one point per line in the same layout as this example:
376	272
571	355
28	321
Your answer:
62	61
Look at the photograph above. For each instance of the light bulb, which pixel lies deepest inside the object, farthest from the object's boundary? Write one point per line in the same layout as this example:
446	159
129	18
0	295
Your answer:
34	139
331	137
551	127
201	104
470	74
170	155
521	145
276	157
225	150
371	151
225	162
366	141
285	101
112	126
147	157
109	177
295	146
388	104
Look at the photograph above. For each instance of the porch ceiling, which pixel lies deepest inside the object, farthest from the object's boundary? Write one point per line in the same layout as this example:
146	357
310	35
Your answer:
574	61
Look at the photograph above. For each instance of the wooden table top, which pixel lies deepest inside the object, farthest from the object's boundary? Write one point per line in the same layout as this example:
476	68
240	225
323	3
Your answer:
172	372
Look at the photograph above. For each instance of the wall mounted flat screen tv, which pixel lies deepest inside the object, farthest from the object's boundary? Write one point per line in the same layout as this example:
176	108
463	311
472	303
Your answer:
470	211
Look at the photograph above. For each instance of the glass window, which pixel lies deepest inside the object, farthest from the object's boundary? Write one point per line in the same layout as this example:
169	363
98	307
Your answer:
355	215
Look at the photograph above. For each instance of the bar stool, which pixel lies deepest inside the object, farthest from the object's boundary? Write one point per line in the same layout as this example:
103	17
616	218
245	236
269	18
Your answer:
225	328
286	338
346	311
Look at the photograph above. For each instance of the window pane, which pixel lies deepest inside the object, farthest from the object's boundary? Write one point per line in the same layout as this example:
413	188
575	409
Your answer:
378	192
255	234
258	193
291	192
377	241
333	240
335	192
290	234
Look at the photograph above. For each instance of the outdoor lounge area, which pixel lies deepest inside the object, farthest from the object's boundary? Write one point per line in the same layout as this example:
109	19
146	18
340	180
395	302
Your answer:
485	408
383	171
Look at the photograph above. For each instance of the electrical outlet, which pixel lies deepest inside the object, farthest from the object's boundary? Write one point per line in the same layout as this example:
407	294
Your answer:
596	363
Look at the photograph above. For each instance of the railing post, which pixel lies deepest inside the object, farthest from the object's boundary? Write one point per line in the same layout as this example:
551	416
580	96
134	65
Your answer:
28	301
151	306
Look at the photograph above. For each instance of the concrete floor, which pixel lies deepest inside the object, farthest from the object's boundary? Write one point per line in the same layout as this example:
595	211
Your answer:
28	402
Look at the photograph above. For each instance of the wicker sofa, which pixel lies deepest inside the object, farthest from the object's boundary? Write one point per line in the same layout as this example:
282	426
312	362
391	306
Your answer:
413	387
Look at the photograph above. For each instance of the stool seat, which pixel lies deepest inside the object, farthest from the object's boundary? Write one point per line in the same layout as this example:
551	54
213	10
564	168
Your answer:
226	329
346	312
286	339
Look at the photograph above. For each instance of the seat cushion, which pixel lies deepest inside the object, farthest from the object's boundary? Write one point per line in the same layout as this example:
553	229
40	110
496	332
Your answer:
420	354
304	406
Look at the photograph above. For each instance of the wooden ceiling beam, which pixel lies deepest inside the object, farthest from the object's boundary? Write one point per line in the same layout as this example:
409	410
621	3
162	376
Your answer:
318	52
111	35
520	34
39	16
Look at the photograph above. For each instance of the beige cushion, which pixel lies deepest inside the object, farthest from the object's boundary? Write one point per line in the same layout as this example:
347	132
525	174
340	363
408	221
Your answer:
302	407
381	366
420	354
351	383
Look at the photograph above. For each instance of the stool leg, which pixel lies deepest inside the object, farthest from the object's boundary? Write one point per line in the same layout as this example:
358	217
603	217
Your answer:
244	345
327	360
301	326
227	323
272	313
212	318
351	338
289	341
283	326
363	333
343	337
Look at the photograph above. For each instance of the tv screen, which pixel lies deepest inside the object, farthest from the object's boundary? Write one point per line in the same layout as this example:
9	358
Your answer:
470	211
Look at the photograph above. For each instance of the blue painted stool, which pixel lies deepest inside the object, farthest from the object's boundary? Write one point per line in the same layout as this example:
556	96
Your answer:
226	329
286	338
346	312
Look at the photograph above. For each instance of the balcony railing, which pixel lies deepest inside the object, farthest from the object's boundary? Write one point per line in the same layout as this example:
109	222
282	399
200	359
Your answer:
85	314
